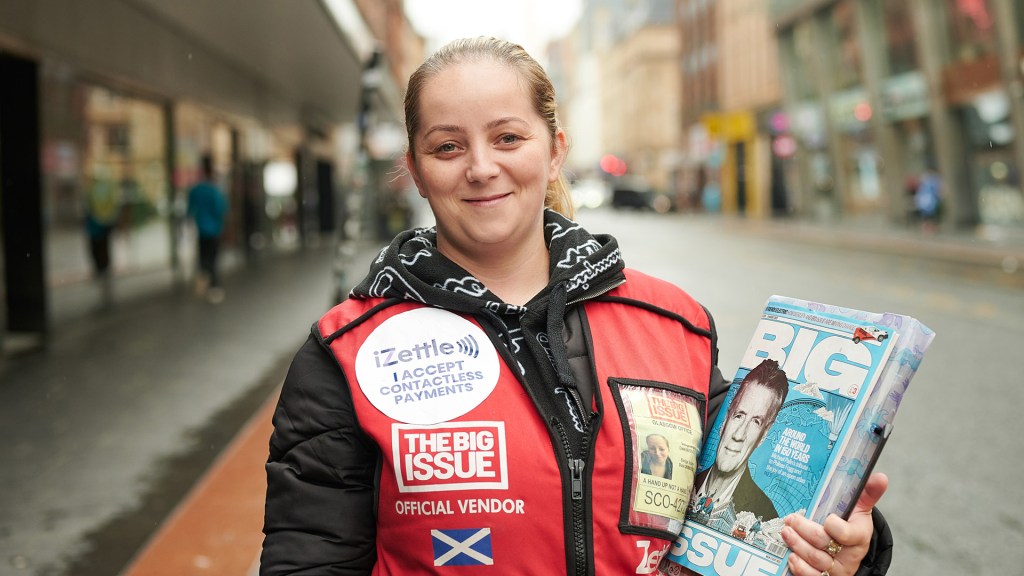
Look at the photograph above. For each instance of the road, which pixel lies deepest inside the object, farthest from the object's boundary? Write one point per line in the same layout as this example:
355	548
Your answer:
953	504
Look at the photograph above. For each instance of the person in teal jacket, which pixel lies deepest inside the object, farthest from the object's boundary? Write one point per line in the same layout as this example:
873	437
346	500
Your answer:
208	207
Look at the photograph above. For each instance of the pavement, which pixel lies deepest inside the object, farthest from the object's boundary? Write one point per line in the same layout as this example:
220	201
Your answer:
982	246
140	423
112	423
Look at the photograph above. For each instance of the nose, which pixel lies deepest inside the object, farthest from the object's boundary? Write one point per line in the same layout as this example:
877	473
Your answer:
482	166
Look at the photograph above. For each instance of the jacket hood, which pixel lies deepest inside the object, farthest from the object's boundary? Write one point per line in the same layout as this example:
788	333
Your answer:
412	268
581	266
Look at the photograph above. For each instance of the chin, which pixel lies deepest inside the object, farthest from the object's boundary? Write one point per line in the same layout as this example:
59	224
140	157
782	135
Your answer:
493	233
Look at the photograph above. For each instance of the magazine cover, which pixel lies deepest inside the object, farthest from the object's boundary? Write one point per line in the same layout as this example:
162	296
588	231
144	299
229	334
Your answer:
876	422
805	417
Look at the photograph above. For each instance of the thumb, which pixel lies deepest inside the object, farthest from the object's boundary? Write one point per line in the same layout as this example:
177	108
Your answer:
873	489
859	524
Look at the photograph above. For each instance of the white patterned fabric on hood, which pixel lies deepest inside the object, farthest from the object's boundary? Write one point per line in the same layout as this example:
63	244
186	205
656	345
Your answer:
582	266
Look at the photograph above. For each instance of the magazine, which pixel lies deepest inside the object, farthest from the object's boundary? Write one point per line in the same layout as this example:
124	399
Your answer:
803	422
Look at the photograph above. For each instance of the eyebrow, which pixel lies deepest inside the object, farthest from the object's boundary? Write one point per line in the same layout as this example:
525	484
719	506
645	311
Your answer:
459	129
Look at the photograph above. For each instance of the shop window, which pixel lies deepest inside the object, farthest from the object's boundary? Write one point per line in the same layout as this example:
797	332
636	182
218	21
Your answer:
972	29
994	173
117	138
998	183
125	177
105	181
1019	14
796	51
847	53
899	36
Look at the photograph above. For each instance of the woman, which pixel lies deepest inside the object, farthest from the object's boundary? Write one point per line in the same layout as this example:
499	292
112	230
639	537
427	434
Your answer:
655	460
475	402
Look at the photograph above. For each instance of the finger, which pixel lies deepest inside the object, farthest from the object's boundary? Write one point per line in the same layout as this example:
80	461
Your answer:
806	540
799	566
808	530
860	519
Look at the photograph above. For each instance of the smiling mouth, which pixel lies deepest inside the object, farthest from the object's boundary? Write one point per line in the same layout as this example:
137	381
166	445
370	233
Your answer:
487	199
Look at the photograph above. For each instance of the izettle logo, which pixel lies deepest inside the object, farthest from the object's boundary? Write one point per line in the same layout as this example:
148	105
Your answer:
426	350
426	366
453	456
468	346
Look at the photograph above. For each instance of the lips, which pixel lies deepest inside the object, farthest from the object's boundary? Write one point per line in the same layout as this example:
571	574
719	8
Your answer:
488	199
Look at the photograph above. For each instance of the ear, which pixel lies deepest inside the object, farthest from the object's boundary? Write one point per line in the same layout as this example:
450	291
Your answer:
410	165
559	150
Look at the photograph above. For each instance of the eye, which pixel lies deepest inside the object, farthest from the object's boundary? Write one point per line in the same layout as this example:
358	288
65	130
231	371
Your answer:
509	138
445	148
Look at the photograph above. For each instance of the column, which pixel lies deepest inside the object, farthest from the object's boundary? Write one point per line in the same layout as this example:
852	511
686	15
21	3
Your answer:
1011	63
950	151
871	35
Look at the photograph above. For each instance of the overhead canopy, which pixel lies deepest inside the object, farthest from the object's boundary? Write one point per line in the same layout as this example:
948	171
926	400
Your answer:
295	47
277	60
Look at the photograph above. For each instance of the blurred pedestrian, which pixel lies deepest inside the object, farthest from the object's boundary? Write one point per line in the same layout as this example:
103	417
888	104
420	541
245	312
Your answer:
208	206
927	199
102	211
477	402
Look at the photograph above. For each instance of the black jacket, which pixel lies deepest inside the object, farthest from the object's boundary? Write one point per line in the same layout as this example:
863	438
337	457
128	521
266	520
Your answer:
322	470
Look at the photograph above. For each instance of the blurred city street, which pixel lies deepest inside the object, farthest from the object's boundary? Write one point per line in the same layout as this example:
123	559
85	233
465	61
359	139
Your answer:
123	413
112	423
863	153
957	433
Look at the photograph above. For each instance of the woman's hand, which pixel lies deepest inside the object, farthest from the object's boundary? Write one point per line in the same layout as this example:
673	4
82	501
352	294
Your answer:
809	541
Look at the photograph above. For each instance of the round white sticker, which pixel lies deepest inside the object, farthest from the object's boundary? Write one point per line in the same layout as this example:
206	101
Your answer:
427	366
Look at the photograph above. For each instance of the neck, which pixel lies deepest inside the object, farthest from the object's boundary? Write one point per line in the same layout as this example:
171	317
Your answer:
515	276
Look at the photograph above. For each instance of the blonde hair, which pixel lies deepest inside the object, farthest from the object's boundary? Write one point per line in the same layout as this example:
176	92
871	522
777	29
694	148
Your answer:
558	196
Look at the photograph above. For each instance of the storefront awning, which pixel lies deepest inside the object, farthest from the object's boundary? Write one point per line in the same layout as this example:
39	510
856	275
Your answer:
310	53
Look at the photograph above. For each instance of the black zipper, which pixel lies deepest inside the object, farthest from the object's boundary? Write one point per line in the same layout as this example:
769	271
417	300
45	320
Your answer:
576	464
615	283
575	459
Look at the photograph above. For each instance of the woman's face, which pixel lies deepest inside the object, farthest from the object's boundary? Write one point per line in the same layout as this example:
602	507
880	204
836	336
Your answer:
658	449
483	158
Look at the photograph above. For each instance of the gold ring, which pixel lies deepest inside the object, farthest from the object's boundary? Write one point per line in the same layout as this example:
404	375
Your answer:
833	548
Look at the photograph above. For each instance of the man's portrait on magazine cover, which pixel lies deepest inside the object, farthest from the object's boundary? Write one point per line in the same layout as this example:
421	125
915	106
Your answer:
748	419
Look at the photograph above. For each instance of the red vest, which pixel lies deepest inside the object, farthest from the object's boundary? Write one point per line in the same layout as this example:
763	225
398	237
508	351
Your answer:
470	481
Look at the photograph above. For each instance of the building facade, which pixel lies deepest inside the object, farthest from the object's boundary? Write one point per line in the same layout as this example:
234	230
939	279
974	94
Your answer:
703	156
108	106
617	78
878	93
749	98
641	102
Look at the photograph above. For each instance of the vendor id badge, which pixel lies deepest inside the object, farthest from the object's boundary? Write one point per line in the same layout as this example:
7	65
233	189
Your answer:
663	432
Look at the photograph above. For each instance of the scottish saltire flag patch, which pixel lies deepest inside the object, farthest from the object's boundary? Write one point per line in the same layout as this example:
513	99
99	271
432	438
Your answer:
463	547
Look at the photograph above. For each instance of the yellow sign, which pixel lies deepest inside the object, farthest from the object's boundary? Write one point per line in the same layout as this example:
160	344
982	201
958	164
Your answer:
730	125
